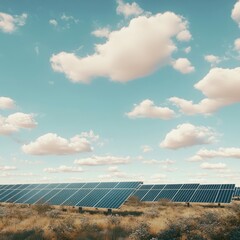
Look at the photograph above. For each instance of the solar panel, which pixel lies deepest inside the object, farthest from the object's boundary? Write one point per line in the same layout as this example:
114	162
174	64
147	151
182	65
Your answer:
237	192
92	194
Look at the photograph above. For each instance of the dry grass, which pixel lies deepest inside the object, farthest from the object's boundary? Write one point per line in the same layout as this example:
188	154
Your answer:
134	220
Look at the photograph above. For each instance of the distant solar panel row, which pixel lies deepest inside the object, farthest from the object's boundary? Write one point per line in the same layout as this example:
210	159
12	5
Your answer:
208	193
98	194
237	192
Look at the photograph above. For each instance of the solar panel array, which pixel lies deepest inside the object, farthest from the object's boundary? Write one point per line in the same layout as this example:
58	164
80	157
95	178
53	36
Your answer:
237	192
95	194
209	193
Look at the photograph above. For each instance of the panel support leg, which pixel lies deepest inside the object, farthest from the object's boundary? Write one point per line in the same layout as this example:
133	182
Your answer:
219	204
109	211
188	204
80	210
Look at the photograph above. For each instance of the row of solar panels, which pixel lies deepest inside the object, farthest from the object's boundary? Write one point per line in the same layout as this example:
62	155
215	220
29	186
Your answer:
98	194
237	192
206	193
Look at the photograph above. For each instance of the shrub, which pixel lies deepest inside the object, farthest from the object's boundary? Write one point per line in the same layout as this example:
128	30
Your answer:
42	208
141	232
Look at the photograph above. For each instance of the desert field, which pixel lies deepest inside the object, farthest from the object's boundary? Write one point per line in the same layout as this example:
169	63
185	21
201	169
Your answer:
135	220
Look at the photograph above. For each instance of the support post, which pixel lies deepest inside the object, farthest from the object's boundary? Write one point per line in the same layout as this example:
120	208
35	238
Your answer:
188	204
80	210
109	211
219	204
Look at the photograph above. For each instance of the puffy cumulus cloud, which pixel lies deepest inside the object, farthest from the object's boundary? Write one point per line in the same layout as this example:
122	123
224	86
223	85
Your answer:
91	136
146	148
213	166
101	32
7	168
184	36
131	52
15	122
221	88
6	103
53	22
219	153
102	160
183	65
9	23
237	44
52	144
64	169
127	9
147	109
186	135
236	13
214	60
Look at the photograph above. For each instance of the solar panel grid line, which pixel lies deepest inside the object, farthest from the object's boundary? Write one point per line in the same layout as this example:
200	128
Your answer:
87	195
164	188
36	193
25	194
106	194
177	192
194	192
124	201
5	196
6	189
49	192
73	194
218	193
147	192
20	189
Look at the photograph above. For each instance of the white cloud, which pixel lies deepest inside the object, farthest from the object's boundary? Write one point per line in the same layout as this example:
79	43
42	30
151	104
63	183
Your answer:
91	136
147	109
221	153
63	169
221	88
146	148
67	18
102	160
7	168
129	53
128	9
162	162
53	22
6	103
214	60
158	177
101	32
236	13
184	36
15	122
52	144
186	135
187	49
213	166
183	65
237	44
9	23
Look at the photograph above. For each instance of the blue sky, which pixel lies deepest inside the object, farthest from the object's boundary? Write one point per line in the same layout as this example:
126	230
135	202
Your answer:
120	90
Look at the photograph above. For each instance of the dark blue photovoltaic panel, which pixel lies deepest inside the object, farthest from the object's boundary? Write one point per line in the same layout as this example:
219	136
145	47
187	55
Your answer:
75	185
107	185
150	196
183	196
159	186
173	186
128	185
165	194
49	195
228	186
209	187
60	197
62	185
224	196
76	197
204	196
18	194
90	185
190	186
146	186
93	198
237	192
37	197
140	193
115	198
24	186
